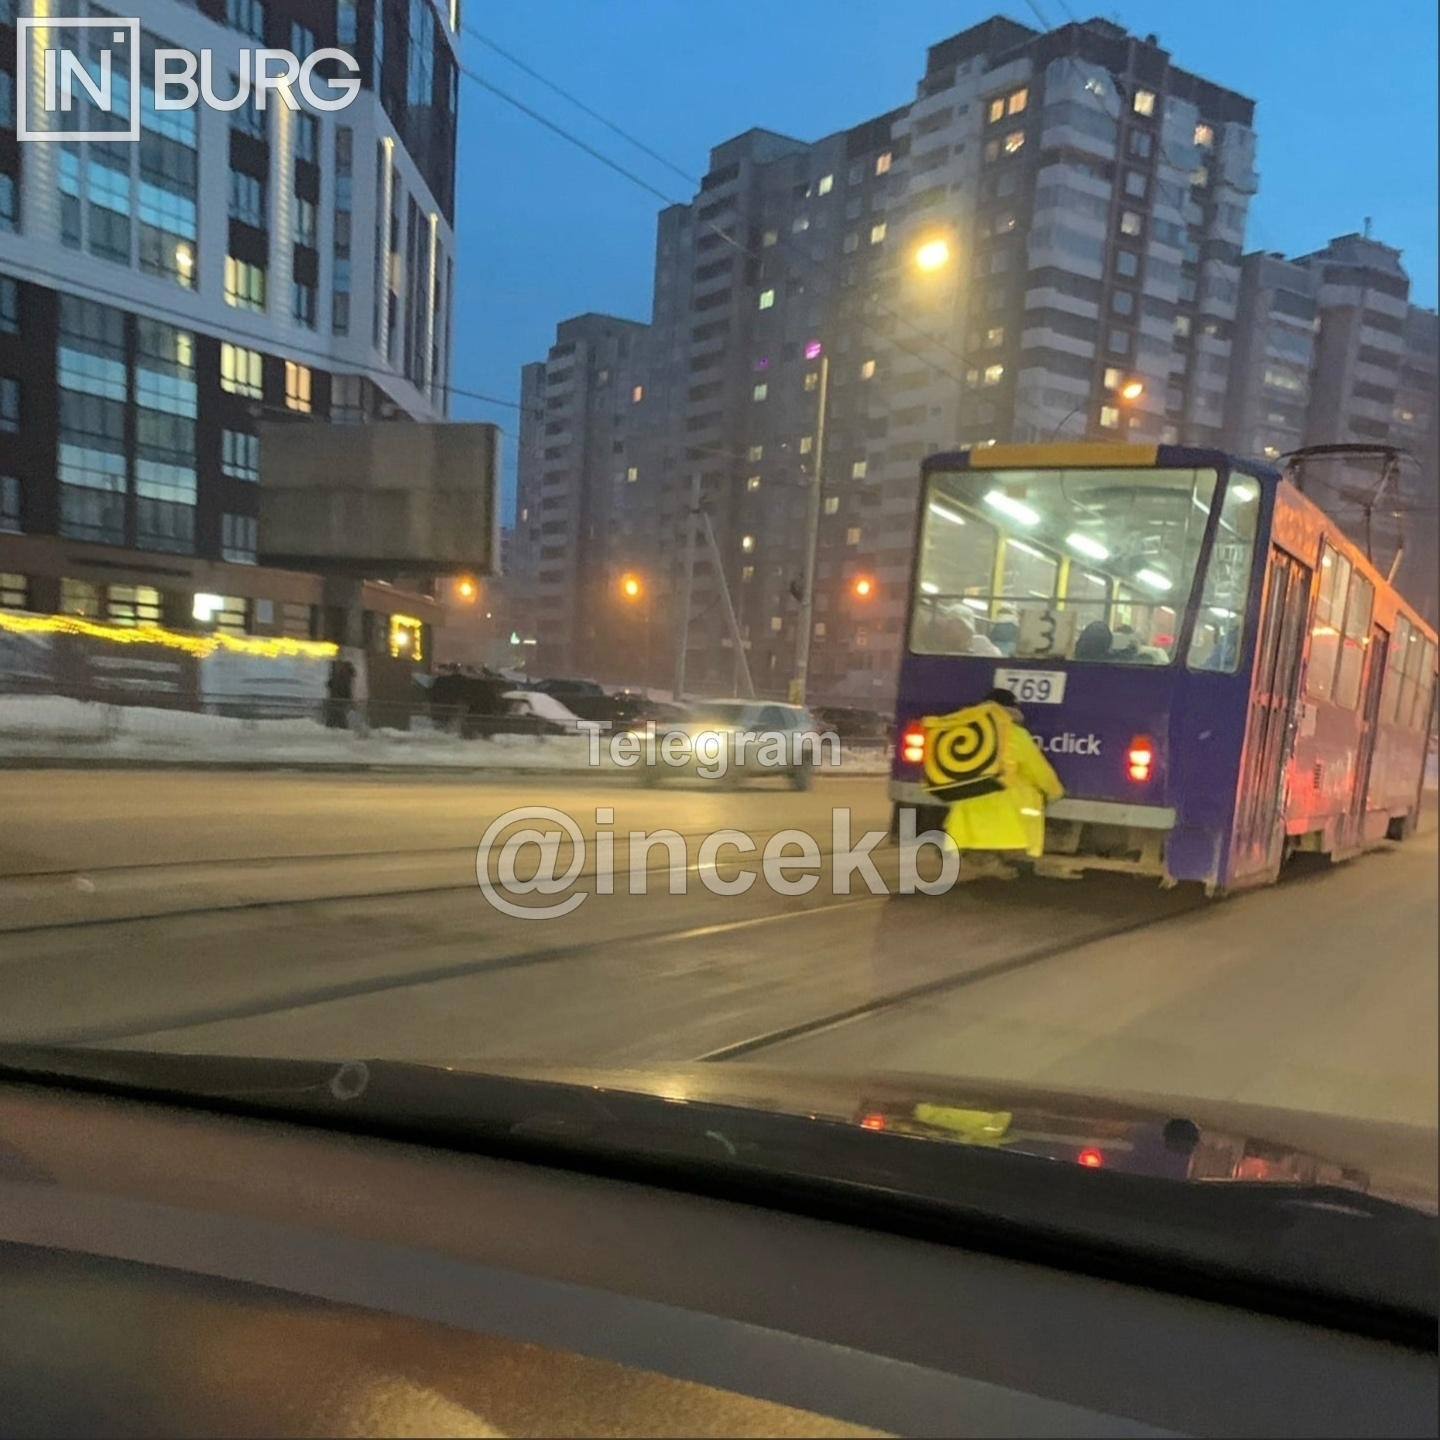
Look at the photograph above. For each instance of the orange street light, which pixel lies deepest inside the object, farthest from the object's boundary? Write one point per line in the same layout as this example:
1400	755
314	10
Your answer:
465	589
630	587
1132	389
863	587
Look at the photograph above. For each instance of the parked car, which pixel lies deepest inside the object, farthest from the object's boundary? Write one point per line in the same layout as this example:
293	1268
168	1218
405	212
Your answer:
850	723
727	741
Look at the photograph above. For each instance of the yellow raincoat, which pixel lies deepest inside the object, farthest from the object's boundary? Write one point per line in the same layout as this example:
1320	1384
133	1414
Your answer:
983	750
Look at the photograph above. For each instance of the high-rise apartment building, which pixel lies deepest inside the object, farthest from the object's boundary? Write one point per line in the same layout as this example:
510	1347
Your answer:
1054	218
578	410
1334	353
161	297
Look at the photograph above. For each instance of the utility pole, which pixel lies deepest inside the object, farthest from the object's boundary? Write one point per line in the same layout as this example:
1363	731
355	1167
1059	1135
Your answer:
687	588
742	664
812	543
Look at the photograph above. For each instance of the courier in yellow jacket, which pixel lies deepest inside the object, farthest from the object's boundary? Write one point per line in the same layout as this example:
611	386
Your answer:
986	766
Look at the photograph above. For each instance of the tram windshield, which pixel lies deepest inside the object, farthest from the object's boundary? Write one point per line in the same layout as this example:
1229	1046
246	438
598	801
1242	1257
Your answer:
1096	565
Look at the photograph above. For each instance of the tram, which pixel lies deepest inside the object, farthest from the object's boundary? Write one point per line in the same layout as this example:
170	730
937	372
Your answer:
1218	674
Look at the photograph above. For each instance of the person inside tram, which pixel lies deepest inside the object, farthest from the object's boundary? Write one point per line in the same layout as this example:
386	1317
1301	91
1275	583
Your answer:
1094	642
1005	632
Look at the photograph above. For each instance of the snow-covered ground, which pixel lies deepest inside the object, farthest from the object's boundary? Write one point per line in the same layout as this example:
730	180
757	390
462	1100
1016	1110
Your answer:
54	727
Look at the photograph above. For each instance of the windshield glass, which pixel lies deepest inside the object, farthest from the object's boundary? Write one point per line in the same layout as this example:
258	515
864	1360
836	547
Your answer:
475	592
1095	565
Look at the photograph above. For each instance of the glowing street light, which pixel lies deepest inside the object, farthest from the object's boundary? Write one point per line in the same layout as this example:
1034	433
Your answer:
1132	389
630	587
466	589
863	587
933	255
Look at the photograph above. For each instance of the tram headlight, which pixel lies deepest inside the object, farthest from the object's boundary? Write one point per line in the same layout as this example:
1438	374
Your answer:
1140	758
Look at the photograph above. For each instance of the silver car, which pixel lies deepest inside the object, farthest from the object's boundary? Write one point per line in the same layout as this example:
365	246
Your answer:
727	741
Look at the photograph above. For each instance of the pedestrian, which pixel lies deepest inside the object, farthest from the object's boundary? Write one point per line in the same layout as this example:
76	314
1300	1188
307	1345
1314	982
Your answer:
986	766
339	688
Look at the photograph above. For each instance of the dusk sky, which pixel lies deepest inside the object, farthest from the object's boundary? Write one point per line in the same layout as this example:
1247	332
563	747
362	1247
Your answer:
1346	117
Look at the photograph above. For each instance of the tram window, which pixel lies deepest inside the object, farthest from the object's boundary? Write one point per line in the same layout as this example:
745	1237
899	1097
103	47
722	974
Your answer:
1220	619
1395	673
1415	691
1355	637
1131	533
1325	630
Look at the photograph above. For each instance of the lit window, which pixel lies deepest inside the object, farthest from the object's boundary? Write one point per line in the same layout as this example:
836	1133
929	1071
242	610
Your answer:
832	504
1112	378
1013	141
877	233
760	391
1204	135
776	623
632	474
753	483
1144	102
244	284
882	162
812	379
1017	101
637	394
852	535
407	638
1004	224
757	452
747	573
1182	324
994	374
801	223
240	370
770	237
995	335
297	386
1110	417
767	299
997	110
807	444
858	469
747	543
825	185
1130	222
867	370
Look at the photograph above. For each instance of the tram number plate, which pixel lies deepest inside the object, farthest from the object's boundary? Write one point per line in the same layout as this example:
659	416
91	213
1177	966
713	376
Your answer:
1033	687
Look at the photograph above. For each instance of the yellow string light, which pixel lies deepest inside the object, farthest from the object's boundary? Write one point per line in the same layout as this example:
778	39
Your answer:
268	646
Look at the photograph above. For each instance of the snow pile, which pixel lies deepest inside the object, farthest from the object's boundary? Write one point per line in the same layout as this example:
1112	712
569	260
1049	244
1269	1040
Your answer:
53	726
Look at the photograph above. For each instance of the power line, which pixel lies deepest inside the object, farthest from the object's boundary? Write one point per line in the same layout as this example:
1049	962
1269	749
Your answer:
579	104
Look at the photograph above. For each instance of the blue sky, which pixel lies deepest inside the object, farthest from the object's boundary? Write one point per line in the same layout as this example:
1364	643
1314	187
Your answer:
1346	116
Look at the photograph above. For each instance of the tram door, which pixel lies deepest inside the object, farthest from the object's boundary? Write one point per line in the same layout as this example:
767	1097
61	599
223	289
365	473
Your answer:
1375	658
1270	730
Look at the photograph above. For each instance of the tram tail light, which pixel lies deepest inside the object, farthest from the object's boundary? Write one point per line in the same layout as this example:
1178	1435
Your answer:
1140	758
1090	1158
912	745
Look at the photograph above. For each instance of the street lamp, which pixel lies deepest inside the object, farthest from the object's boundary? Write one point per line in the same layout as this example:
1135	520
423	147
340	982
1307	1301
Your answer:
465	588
1130	391
863	588
933	255
630	587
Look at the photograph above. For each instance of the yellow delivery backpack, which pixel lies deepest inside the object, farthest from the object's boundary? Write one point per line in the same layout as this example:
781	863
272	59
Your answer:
965	752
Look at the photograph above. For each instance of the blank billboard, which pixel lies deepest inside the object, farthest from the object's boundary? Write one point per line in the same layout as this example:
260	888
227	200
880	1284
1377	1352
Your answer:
379	500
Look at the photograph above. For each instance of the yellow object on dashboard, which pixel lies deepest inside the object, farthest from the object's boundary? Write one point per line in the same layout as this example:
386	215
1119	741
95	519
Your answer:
975	1127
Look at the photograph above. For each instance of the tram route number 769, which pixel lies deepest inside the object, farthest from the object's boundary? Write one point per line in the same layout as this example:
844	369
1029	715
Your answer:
1033	687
